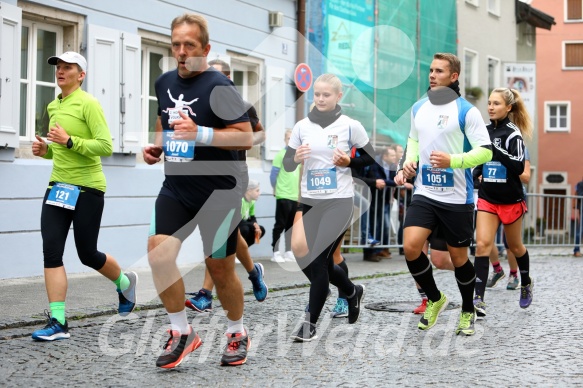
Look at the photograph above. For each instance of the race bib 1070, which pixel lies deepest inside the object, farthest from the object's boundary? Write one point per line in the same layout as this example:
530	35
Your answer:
177	150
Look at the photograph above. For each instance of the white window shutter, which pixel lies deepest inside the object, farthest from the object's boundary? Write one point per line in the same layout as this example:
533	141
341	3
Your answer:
10	33
131	117
274	111
103	75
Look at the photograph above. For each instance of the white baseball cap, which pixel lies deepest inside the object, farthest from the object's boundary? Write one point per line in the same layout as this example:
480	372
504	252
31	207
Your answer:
70	57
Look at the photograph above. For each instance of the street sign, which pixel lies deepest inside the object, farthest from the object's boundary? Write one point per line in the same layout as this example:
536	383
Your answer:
303	77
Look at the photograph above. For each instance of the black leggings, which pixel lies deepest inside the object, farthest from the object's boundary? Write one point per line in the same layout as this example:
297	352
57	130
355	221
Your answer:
285	211
86	218
325	222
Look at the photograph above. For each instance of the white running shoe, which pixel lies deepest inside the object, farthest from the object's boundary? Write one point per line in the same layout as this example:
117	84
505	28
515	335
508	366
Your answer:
277	257
289	256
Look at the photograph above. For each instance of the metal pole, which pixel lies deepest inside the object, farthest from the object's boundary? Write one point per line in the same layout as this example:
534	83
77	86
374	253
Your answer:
375	75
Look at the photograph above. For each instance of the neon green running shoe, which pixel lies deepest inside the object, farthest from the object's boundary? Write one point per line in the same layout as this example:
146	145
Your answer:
466	325
432	311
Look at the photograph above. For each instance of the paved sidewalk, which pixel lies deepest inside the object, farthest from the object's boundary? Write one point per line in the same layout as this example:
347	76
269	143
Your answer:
24	299
90	294
537	346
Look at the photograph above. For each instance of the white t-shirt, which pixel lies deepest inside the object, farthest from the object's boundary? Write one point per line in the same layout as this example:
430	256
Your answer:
454	128
321	179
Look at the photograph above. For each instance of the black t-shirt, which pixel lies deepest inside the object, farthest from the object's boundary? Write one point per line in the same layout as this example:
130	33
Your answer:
254	119
211	100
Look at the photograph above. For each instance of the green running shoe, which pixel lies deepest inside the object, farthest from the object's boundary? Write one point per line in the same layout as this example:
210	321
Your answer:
466	325
432	311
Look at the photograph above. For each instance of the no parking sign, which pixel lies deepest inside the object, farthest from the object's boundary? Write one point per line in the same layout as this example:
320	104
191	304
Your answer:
303	77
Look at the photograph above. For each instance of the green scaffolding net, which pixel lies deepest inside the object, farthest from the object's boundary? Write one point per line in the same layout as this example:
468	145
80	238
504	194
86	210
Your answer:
382	51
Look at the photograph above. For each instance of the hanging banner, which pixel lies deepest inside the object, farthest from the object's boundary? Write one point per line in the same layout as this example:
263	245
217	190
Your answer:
346	21
522	77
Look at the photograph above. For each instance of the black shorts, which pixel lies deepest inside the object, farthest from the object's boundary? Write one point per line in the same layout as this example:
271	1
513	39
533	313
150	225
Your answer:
455	226
218	227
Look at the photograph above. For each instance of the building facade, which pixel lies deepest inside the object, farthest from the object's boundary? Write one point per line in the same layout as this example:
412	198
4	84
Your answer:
559	60
127	46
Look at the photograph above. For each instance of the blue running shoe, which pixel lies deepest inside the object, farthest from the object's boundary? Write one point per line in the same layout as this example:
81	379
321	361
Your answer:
526	294
53	330
127	298
341	309
260	290
201	302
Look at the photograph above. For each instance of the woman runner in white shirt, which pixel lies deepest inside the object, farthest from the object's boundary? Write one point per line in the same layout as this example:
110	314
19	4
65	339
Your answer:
322	142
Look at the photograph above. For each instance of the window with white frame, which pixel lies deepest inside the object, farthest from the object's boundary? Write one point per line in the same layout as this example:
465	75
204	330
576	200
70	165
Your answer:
574	10
245	74
473	2
494	7
38	85
557	116
493	73
470	69
155	61
573	55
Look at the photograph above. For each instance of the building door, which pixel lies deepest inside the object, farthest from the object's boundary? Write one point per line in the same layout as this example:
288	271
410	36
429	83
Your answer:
554	207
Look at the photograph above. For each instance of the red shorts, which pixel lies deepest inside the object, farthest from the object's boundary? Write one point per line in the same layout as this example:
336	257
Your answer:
508	214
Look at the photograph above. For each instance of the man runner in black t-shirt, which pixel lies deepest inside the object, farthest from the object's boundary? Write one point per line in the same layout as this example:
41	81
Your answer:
201	301
201	125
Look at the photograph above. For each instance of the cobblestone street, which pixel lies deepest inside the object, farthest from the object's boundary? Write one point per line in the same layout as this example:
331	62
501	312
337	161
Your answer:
537	346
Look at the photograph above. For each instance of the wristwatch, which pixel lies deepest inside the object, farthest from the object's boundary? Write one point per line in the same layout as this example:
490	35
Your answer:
69	143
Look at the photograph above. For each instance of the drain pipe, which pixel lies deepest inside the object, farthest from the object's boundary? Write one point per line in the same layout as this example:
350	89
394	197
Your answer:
301	56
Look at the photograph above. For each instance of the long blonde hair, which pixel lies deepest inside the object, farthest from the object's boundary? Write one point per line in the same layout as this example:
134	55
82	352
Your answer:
518	113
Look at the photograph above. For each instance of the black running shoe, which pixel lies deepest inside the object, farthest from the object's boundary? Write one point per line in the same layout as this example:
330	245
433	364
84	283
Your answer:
354	304
306	333
236	350
177	348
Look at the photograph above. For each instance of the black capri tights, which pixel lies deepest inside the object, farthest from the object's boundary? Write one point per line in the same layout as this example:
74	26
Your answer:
86	218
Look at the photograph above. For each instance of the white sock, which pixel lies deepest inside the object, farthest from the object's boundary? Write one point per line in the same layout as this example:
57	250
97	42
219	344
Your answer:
235	326
179	322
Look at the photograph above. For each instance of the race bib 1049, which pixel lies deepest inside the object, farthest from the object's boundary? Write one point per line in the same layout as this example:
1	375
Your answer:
321	181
